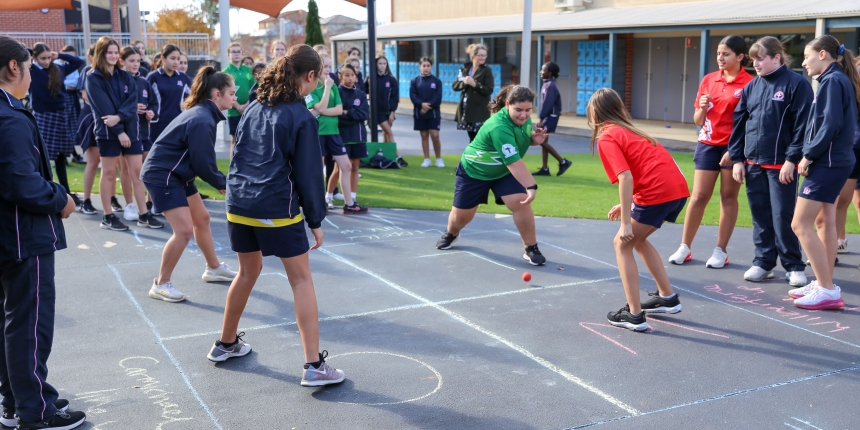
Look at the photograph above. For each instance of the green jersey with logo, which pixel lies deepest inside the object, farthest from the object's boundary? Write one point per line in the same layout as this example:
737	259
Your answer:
328	124
499	142
243	77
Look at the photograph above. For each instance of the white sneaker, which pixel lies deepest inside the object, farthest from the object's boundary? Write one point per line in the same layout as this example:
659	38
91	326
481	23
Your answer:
718	259
682	255
220	274
757	274
426	163
165	292
802	291
843	246
130	212
338	196
821	299
796	278
329	202
440	163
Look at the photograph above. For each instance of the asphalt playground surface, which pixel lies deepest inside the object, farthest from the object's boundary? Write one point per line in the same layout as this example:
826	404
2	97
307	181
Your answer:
450	339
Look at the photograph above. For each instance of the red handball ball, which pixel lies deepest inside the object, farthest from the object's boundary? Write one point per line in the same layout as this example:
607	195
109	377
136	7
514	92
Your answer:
527	276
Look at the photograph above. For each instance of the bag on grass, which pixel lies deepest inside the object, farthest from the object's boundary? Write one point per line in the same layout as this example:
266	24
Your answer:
379	161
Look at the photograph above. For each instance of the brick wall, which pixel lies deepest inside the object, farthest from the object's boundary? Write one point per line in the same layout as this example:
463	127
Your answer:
32	21
114	15
628	73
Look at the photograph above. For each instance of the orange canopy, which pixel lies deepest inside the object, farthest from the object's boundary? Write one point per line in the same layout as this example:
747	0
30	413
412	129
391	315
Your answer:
268	7
35	4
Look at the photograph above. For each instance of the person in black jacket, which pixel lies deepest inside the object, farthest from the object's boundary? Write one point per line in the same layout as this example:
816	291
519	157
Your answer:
425	91
828	159
184	151
387	98
351	127
31	231
550	110
765	146
475	82
112	93
273	189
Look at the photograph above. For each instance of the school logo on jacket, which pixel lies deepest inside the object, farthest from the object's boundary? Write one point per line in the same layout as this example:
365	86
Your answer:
179	83
145	94
432	85
125	90
356	102
779	96
388	85
738	93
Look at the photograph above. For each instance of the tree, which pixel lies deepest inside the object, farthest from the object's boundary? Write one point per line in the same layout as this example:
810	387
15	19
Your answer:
313	32
181	20
210	12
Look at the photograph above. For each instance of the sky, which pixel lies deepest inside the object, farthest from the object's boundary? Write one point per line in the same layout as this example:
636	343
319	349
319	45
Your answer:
245	21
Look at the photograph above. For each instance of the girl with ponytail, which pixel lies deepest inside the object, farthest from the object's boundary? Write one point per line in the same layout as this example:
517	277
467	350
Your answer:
184	151
828	163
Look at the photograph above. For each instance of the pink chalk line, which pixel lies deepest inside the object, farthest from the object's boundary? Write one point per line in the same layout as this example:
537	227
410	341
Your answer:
688	328
585	326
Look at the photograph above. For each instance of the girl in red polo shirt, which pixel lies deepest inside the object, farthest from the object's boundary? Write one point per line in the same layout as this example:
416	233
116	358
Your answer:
718	96
652	190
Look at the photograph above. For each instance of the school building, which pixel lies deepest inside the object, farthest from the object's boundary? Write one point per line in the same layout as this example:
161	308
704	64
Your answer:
653	52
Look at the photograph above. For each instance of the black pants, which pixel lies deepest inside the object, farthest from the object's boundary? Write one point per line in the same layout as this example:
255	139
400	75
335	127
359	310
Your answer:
472	135
329	168
772	208
28	296
60	166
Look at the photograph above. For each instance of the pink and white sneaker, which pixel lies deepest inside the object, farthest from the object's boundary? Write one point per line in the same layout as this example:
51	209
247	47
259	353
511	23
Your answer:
682	255
322	375
797	293
821	299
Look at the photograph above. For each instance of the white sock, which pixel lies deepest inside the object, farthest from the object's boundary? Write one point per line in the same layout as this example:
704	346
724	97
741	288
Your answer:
667	297
353	196
329	196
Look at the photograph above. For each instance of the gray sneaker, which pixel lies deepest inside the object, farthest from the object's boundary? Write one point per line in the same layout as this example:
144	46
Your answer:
757	274
324	375
222	353
165	292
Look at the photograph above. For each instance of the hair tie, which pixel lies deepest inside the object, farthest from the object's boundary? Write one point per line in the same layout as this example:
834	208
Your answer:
841	50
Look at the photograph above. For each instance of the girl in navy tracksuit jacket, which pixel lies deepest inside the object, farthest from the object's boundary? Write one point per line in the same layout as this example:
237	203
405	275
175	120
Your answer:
351	126
828	159
171	88
49	105
426	94
765	145
550	110
387	98
31	231
273	190
184	151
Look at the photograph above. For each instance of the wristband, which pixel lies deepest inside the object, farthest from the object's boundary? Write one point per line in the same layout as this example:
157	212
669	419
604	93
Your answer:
533	187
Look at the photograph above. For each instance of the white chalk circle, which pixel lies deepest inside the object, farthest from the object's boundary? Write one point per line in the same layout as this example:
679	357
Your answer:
435	372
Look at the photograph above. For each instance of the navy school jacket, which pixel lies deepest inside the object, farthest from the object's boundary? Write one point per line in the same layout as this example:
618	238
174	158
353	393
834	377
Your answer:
276	170
146	96
30	203
40	95
387	92
769	122
356	111
550	103
171	91
86	134
106	100
830	130
426	89
186	150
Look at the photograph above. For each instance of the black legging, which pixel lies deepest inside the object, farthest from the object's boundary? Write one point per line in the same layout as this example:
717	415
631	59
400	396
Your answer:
472	135
329	169
60	165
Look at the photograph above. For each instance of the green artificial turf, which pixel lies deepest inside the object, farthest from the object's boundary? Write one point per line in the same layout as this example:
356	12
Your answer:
583	191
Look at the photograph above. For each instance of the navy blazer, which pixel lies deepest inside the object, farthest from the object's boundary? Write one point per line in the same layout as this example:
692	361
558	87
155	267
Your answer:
105	100
426	89
387	92
356	111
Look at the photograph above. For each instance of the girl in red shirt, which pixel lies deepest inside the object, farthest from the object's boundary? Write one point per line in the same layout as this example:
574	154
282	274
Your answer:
652	190
718	96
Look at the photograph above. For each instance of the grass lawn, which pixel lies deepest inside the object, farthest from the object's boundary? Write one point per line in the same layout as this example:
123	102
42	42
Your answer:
583	192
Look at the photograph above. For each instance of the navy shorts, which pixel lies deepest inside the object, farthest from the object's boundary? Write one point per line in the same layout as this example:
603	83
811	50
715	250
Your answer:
233	121
823	184
382	117
707	157
112	148
550	123
656	215
421	124
855	173
356	150
171	197
147	145
282	242
470	192
332	144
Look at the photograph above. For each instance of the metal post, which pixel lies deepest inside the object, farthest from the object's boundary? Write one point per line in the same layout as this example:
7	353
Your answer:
85	23
371	70
396	58
613	48
334	61
435	57
704	53
525	60
133	20
540	55
280	29
224	7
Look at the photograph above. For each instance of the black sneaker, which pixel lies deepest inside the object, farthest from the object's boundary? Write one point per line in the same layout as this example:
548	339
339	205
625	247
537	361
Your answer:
446	241
87	208
148	220
355	209
563	166
114	205
544	171
62	420
76	199
77	159
659	305
111	222
623	318
9	419
533	256
204	196
401	162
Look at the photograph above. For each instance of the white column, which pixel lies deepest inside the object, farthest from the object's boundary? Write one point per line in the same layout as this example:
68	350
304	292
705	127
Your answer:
134	20
85	24
224	9
526	59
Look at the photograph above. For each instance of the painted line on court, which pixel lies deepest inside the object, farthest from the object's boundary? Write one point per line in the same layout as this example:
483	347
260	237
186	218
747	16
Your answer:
586	325
652	319
721	397
546	364
383	219
393	309
707	297
807	423
137	237
466	252
414	399
794	427
332	224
